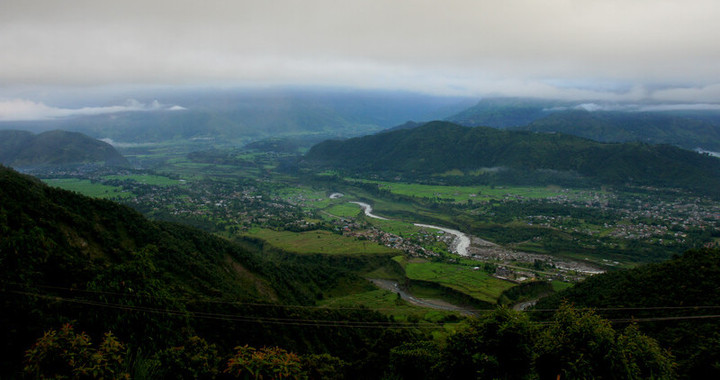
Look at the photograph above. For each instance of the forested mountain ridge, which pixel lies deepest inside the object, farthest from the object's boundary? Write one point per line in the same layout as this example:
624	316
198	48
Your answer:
55	148
440	147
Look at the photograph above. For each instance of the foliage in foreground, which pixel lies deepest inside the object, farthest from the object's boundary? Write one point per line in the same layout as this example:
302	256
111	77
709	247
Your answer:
66	354
503	344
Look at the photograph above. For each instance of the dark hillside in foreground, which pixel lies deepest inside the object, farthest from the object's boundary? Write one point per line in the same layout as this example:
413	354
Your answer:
685	286
104	267
55	148
440	147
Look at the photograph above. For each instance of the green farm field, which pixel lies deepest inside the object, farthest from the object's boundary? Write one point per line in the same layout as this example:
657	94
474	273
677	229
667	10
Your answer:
463	194
387	303
474	283
319	241
88	188
147	179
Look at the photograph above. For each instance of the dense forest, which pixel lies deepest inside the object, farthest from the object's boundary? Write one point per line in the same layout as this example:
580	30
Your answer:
481	153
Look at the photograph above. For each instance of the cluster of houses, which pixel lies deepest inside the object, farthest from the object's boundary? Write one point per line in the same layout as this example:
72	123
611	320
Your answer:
665	221
360	231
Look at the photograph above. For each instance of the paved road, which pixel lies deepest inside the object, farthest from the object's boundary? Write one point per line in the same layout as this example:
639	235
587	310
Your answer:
440	305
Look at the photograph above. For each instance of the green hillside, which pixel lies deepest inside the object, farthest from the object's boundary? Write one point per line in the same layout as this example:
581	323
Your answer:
104	267
683	288
180	299
517	156
55	148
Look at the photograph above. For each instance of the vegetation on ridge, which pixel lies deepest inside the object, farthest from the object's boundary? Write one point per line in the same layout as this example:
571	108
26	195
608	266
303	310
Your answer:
514	156
55	148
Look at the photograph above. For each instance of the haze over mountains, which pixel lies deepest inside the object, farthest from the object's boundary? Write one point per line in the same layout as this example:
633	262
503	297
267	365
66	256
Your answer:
690	126
220	115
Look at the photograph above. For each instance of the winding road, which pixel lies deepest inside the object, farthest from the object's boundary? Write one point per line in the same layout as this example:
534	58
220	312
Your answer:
434	304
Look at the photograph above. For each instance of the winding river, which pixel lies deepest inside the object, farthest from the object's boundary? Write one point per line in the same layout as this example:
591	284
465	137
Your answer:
368	210
459	246
461	243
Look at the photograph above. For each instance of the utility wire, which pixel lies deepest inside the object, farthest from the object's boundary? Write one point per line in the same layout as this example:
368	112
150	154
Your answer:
243	303
239	318
313	322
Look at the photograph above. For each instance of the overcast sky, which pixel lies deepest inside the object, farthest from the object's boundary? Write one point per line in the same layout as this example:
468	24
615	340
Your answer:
615	50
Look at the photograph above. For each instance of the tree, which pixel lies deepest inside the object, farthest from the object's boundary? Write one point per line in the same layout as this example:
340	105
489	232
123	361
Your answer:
582	345
66	354
196	359
265	363
498	345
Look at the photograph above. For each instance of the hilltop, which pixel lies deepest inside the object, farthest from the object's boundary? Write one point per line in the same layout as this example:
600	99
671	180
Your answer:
23	149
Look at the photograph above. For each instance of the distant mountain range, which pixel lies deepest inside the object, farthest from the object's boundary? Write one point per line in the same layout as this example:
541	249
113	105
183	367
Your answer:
654	128
616	123
24	149
506	112
239	116
441	147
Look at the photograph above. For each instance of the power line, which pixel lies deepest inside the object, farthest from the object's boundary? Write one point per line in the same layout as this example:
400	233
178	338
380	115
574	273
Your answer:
327	323
286	306
638	308
205	300
239	318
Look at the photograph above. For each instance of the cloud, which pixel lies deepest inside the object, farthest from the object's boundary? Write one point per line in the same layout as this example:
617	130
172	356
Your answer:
118	144
25	110
595	107
466	46
705	93
680	107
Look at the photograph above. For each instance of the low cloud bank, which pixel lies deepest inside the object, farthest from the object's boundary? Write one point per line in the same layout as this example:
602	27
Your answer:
28	110
594	107
118	144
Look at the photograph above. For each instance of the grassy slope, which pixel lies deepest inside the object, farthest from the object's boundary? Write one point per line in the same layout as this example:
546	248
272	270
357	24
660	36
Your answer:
476	284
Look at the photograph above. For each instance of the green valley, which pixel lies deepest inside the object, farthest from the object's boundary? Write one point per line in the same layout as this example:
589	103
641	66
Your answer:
301	245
